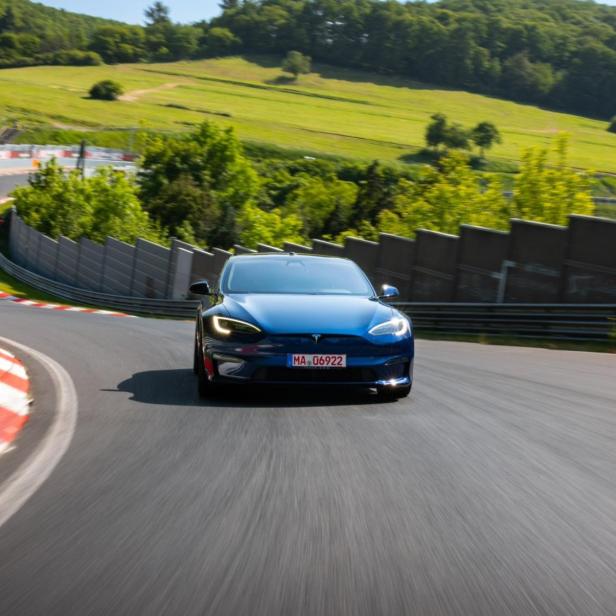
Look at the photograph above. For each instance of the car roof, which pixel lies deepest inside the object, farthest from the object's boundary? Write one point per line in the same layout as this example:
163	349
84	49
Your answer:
278	255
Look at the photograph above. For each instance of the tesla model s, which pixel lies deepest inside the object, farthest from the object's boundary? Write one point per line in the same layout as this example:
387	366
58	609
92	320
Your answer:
287	318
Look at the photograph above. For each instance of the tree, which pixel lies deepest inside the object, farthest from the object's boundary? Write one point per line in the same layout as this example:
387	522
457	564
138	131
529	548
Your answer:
218	42
9	21
440	132
550	192
158	32
119	43
484	136
182	41
456	137
324	207
377	188
296	63
106	204
256	226
443	198
106	90
436	130
188	210
157	14
526	80
198	183
228	5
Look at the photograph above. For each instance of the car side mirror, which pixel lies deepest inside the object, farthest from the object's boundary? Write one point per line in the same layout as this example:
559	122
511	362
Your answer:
389	292
200	288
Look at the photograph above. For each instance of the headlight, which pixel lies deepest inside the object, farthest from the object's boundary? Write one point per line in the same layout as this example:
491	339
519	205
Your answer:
225	326
393	327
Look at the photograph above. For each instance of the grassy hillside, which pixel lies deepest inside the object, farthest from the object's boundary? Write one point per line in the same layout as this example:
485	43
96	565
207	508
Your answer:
334	111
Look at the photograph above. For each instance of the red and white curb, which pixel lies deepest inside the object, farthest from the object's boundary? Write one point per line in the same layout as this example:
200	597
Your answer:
61	307
14	398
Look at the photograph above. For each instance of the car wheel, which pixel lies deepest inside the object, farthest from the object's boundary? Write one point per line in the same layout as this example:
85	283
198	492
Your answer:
390	394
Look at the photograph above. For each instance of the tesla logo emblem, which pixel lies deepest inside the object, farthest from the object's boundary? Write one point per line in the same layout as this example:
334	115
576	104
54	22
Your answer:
316	338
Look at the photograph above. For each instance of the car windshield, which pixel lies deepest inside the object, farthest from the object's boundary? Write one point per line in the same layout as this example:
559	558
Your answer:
298	275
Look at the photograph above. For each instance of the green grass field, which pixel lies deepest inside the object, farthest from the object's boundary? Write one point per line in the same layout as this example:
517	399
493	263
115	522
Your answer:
339	112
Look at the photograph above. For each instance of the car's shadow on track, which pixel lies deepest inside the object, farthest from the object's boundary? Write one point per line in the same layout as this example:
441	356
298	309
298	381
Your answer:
179	388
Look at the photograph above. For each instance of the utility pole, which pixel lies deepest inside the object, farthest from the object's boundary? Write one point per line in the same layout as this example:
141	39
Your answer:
81	161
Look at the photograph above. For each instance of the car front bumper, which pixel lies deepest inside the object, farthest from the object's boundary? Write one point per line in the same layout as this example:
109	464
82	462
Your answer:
369	365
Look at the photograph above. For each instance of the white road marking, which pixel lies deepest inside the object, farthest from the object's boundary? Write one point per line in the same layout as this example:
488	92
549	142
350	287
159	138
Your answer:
29	477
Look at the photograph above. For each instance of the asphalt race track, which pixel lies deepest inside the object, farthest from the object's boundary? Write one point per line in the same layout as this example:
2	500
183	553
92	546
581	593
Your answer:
490	491
9	182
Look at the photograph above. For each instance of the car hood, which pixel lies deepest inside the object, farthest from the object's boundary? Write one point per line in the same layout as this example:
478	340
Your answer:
308	314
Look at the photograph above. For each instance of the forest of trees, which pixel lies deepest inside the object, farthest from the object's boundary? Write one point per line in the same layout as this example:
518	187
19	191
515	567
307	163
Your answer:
560	53
35	34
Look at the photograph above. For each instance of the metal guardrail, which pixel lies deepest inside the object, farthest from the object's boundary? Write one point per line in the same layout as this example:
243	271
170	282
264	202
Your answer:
582	322
134	305
598	200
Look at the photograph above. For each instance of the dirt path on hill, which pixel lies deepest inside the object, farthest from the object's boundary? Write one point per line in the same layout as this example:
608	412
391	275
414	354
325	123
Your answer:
135	95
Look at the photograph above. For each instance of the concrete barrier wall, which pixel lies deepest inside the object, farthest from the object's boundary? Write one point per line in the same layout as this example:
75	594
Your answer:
297	248
328	249
395	263
203	267
590	264
536	257
46	256
364	253
534	263
33	239
66	261
242	250
151	270
481	253
267	248
435	267
90	265
220	258
118	269
181	275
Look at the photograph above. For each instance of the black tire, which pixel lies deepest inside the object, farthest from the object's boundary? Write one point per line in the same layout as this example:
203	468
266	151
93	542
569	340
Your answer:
391	394
196	357
203	385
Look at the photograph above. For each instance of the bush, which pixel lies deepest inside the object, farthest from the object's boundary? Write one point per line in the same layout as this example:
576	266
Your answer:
76	57
106	90
57	203
612	126
296	63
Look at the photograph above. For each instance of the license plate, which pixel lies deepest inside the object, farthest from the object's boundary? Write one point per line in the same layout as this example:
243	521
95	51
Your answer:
316	361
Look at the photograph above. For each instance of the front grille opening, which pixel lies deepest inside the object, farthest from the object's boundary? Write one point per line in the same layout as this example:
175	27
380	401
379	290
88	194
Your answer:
395	371
309	375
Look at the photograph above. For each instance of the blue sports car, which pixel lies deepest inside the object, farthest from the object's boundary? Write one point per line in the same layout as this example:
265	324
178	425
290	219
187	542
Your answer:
289	318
